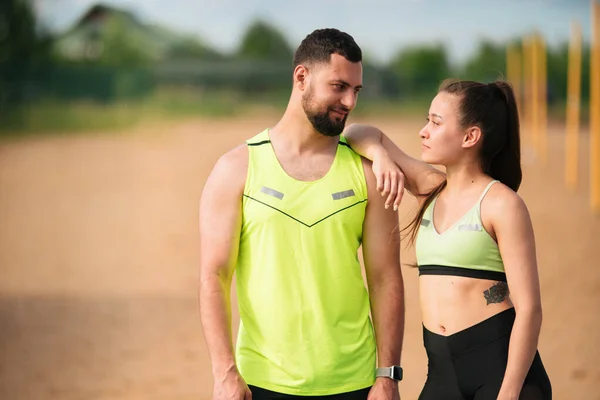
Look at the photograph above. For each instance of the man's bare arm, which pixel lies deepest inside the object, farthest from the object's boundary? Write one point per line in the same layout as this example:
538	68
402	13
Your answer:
220	224
381	254
369	142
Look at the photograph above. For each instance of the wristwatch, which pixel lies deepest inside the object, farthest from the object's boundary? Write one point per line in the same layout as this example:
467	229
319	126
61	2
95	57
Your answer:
394	372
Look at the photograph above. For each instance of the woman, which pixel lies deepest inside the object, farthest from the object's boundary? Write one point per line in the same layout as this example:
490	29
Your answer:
473	240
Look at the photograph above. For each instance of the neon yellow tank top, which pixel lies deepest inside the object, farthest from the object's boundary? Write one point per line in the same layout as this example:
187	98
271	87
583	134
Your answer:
305	326
464	249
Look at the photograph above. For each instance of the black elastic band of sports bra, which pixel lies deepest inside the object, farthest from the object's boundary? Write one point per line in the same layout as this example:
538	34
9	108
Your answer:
459	271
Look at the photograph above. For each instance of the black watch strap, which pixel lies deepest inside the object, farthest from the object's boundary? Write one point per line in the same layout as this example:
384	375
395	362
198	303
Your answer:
394	372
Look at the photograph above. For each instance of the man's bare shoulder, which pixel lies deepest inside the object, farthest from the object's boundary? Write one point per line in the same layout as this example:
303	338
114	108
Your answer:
231	168
234	159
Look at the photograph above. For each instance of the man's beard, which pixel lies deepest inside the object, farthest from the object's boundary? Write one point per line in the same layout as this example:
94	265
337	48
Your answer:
321	120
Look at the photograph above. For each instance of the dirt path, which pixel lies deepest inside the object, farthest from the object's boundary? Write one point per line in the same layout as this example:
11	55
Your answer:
98	266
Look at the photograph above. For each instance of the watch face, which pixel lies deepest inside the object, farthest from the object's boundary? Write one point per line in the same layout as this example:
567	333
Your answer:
397	373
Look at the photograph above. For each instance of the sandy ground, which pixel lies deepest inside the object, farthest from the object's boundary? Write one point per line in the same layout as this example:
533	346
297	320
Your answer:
99	259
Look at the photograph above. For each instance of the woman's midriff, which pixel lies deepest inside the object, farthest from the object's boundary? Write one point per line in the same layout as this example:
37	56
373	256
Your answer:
450	304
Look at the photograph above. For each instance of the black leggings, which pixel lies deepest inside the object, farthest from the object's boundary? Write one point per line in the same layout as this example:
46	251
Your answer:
470	364
263	394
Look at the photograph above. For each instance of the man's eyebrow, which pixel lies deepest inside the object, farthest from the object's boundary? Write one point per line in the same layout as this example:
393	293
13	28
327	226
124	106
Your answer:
346	83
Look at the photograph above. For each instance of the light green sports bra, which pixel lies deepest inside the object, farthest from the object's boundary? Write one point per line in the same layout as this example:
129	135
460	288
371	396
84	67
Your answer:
464	249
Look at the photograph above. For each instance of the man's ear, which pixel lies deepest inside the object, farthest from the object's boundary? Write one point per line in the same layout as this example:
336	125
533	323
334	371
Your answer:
300	76
472	137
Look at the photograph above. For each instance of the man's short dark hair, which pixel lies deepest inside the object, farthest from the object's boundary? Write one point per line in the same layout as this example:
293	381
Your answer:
319	45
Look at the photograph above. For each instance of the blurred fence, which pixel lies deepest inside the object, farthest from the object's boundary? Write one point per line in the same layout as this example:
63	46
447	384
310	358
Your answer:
73	82
110	84
257	77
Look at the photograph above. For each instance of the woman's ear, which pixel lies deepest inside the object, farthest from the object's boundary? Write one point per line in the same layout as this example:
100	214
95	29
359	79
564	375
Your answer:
472	137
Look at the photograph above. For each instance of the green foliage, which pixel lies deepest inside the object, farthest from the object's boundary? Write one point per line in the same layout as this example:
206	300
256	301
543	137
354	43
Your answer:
420	69
20	38
110	57
264	42
23	47
558	69
120	46
191	49
112	38
487	64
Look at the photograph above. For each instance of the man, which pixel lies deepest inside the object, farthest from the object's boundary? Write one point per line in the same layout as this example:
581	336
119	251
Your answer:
287	211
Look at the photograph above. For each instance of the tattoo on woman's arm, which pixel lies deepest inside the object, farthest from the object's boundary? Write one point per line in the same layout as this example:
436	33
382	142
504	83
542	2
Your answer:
497	293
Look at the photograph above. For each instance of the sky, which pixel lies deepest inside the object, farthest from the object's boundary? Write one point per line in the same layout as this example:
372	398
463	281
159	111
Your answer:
381	28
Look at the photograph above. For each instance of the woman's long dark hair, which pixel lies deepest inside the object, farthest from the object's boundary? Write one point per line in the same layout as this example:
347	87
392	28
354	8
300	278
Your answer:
493	108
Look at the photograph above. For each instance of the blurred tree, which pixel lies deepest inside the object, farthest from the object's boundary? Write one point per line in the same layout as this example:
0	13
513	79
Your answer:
585	72
378	81
193	49
487	64
420	69
24	46
265	43
109	37
21	38
119	46
558	62
558	69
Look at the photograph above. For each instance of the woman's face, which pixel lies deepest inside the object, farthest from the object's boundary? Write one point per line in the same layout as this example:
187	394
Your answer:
442	136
